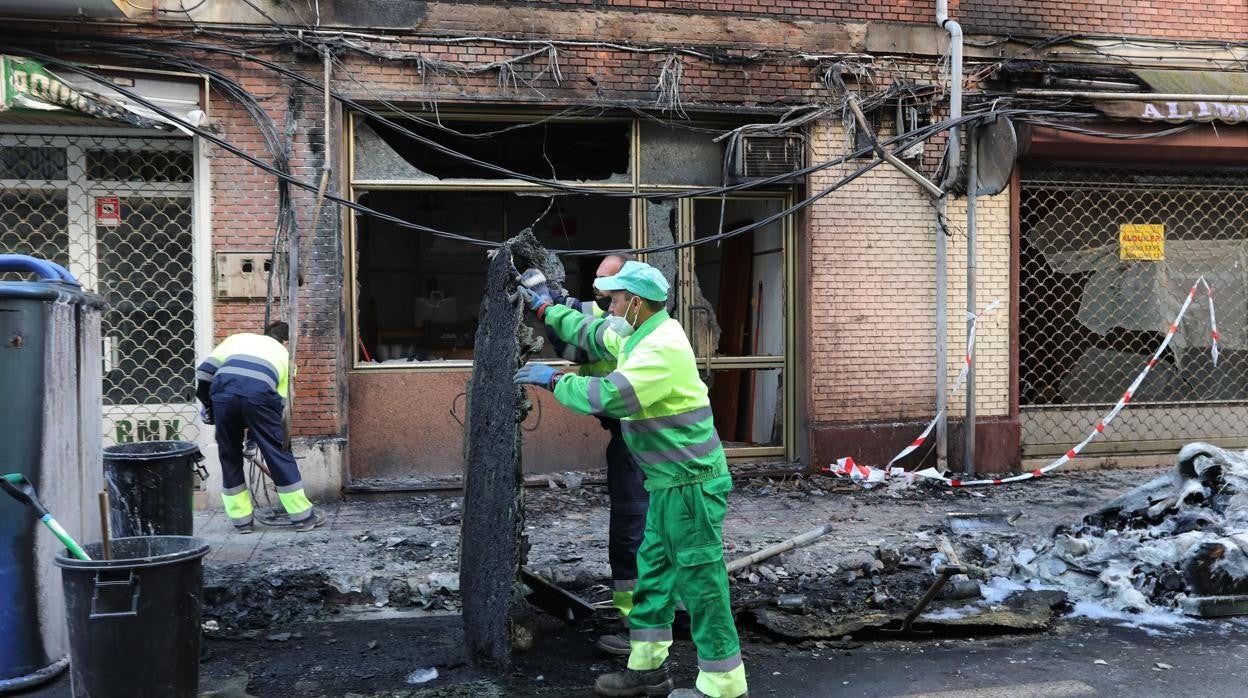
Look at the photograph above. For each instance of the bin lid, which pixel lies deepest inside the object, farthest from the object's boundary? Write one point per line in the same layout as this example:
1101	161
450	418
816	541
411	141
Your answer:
140	451
55	291
139	551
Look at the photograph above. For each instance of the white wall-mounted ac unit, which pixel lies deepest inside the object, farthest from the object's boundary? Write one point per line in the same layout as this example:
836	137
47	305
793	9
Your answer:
760	156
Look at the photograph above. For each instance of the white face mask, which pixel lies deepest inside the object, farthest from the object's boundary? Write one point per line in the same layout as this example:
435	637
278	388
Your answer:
620	324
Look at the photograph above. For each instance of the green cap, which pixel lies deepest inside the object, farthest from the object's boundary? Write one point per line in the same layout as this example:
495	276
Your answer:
639	279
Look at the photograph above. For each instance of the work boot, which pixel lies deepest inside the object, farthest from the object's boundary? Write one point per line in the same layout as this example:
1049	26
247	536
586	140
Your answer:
631	682
316	519
244	529
616	644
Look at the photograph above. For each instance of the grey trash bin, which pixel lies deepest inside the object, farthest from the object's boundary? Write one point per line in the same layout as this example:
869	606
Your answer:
50	414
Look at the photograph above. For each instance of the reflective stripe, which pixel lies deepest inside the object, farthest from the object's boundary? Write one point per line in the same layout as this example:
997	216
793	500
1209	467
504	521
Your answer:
600	333
296	505
235	490
593	393
624	584
676	455
287	489
582	334
255	363
627	394
249	373
587	308
647	656
203	376
650	634
237	505
685	419
720	665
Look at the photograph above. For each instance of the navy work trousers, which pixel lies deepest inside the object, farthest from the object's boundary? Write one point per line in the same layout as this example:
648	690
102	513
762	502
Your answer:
261	414
629	501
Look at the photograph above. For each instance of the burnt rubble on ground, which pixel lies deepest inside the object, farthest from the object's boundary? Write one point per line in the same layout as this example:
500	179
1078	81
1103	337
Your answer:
1181	535
1173	538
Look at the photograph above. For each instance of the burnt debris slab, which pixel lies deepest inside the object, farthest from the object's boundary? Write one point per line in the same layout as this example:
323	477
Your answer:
493	518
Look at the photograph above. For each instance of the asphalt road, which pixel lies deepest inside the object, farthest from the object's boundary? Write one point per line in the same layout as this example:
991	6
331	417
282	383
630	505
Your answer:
1079	658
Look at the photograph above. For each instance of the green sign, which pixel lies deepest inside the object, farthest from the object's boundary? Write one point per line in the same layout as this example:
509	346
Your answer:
27	85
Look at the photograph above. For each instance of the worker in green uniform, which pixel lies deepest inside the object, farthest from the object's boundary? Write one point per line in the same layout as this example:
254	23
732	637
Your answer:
667	424
625	483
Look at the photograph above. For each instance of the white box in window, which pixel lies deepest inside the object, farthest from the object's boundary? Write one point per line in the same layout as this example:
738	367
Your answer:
436	308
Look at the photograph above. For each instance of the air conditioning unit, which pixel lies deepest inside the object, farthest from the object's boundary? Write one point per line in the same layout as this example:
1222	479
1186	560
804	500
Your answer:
762	156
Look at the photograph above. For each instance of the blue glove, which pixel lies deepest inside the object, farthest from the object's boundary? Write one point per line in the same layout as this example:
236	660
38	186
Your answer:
538	374
205	415
533	299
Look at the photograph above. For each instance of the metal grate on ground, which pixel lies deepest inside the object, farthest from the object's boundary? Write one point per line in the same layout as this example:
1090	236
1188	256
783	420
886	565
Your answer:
1090	316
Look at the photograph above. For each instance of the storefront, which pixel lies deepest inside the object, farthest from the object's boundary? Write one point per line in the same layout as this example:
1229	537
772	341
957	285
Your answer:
414	297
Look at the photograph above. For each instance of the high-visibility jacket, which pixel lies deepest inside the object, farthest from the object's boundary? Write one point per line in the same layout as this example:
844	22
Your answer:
655	391
247	364
569	351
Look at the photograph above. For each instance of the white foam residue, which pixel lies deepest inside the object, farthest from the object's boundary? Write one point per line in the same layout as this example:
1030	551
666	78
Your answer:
998	590
1150	622
952	613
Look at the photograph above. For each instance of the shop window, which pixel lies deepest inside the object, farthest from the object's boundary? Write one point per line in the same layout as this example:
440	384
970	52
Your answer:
419	295
748	406
741	279
589	151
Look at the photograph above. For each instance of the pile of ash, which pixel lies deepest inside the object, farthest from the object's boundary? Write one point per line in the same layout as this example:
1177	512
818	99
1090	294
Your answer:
1182	535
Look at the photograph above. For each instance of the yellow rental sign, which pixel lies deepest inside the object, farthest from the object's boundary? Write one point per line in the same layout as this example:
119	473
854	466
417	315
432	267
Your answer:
1142	241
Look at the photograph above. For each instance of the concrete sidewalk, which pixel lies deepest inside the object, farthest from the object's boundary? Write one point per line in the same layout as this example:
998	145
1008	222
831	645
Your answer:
403	554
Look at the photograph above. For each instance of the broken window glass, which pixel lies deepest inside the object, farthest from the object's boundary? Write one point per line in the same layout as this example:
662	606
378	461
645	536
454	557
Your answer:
418	295
574	151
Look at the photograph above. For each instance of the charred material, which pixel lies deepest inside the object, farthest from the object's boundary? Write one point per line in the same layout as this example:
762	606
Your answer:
493	518
1182	534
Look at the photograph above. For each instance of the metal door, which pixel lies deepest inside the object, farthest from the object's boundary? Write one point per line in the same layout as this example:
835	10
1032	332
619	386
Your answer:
118	212
1094	305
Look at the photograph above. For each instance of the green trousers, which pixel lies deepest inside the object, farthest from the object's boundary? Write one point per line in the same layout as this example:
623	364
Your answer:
682	557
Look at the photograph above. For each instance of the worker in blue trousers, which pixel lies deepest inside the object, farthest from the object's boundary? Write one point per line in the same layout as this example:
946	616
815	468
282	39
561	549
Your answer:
244	384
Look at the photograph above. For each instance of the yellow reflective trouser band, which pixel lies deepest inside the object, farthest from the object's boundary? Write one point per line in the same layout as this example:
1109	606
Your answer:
649	647
237	502
623	600
723	684
294	501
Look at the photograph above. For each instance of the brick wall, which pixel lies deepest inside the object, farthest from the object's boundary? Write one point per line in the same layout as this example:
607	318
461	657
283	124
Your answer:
245	204
872	335
1178	19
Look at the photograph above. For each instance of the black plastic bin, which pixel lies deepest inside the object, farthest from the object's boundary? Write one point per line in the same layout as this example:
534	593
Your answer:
151	486
134	620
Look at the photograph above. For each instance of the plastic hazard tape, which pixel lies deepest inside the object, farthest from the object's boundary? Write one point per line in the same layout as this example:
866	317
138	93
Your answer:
847	468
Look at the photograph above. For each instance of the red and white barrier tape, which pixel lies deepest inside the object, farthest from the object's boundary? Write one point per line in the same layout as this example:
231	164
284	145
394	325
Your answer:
957	384
846	467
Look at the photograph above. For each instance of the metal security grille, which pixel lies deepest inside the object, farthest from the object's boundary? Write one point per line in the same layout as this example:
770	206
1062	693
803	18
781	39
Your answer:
1097	296
117	212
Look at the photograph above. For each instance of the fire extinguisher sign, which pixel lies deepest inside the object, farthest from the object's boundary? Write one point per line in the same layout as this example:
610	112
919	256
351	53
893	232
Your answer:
108	211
